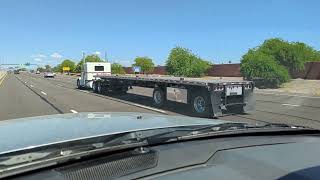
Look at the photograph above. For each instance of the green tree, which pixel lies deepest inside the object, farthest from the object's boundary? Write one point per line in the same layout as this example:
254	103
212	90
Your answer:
117	69
68	63
47	67
145	63
275	57
182	62
57	68
41	69
292	55
90	58
93	58
256	64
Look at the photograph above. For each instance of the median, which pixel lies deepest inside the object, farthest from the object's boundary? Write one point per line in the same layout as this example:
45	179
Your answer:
3	75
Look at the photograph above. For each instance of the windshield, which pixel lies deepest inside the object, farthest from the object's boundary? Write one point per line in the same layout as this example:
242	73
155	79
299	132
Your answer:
72	70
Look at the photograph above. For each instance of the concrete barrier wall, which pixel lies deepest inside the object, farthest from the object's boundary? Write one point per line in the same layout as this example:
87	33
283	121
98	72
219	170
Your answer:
219	70
157	70
160	70
311	71
225	70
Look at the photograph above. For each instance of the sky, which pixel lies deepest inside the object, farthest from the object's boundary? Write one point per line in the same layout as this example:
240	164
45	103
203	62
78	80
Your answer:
48	31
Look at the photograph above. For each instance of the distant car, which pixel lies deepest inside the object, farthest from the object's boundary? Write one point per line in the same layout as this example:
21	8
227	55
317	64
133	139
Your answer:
16	72
37	72
48	75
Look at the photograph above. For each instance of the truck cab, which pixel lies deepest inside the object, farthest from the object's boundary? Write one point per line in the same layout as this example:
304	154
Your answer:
90	70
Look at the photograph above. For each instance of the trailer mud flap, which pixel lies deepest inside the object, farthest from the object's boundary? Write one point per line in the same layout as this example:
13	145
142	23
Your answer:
216	103
249	100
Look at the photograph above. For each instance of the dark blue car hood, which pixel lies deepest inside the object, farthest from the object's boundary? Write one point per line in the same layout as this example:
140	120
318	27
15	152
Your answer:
36	131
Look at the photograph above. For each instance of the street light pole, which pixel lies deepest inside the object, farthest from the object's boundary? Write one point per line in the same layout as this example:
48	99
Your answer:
105	56
83	57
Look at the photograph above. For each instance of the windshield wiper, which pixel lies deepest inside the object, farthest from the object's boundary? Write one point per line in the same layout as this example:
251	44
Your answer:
128	139
48	155
177	134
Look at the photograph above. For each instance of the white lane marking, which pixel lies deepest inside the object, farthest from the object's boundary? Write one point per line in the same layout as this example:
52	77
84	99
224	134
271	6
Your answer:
43	93
294	105
147	107
288	95
84	91
31	85
73	111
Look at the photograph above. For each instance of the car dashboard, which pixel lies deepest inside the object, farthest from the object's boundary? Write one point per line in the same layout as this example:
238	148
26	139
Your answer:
241	157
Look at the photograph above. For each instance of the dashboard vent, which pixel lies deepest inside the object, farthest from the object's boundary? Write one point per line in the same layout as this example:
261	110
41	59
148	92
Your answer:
110	167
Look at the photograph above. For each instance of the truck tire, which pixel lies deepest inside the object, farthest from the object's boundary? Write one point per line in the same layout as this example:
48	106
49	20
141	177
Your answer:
201	104
158	97
99	88
78	84
94	86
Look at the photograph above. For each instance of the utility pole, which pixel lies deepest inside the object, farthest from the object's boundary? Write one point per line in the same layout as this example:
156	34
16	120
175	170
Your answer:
105	56
84	60
83	57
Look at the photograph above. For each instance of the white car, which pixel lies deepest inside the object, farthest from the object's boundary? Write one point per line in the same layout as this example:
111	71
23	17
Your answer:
48	75
37	72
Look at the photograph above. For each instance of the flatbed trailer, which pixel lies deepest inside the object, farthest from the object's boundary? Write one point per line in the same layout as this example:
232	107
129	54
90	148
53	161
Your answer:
205	97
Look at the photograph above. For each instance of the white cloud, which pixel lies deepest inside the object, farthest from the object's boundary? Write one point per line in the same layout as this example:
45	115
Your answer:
56	55
97	53
38	56
37	59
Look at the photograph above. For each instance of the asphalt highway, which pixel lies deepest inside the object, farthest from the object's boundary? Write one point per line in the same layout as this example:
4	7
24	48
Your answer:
26	95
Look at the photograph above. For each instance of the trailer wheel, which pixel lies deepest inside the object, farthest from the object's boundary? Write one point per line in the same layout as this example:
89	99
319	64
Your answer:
99	88
201	105
94	86
158	97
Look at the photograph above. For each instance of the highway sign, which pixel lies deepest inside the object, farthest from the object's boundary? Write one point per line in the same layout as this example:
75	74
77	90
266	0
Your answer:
66	68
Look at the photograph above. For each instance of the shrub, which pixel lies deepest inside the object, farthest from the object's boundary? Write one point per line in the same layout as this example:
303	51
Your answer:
182	62
256	64
117	69
145	63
